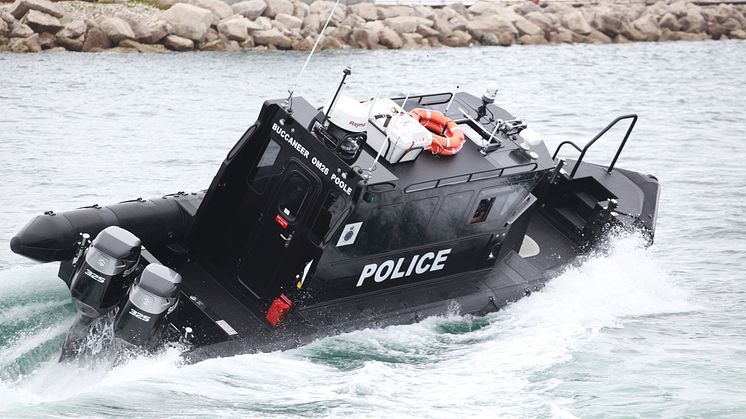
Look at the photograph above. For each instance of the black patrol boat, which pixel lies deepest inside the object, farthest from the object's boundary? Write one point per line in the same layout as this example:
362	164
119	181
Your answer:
327	220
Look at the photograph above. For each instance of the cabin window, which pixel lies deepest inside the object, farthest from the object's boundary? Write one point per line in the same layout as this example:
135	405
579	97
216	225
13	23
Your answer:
293	194
415	221
379	230
263	171
397	226
482	211
449	220
494	204
330	215
517	193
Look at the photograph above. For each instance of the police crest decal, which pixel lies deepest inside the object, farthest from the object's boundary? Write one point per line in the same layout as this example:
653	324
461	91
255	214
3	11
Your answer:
349	234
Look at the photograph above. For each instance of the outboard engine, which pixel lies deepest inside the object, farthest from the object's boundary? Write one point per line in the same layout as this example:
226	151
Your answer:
106	271
151	299
346	133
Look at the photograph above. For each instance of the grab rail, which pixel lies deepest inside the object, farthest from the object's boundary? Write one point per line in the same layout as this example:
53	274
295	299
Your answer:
420	98
466	178
598	136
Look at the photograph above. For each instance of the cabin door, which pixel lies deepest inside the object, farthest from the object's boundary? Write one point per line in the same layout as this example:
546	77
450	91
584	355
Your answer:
279	228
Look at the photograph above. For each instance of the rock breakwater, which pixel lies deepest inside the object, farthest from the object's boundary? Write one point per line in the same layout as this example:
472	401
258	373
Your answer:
214	25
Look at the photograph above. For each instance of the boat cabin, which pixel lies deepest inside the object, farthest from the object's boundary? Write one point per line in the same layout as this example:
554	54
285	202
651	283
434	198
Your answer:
289	211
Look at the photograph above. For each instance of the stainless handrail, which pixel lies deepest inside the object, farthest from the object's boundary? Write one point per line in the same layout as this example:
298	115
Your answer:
418	98
468	177
598	136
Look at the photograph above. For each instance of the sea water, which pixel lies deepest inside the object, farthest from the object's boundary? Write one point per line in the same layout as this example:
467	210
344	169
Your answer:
631	332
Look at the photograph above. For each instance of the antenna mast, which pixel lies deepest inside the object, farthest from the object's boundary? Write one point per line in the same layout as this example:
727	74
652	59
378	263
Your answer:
347	71
453	96
291	88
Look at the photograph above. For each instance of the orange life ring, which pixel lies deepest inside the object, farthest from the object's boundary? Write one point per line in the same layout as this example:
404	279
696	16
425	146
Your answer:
448	138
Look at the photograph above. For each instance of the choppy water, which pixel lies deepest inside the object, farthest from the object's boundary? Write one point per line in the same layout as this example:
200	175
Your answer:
646	333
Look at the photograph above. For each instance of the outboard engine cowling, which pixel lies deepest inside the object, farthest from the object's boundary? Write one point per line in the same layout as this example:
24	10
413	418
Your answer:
106	271
151	299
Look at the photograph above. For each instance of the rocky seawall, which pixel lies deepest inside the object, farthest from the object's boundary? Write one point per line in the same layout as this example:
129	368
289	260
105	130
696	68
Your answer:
214	25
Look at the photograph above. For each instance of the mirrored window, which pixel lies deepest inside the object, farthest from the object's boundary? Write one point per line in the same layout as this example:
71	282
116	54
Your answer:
263	171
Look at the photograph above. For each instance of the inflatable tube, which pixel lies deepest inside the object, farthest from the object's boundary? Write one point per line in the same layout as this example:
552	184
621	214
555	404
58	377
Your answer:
52	237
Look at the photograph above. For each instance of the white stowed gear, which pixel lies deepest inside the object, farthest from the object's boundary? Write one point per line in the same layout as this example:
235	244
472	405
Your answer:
349	114
532	137
402	134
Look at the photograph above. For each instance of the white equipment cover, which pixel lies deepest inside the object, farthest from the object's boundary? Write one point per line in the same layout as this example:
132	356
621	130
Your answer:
349	114
406	137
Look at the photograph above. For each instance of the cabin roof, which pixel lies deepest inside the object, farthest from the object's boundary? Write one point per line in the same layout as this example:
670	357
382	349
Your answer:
469	161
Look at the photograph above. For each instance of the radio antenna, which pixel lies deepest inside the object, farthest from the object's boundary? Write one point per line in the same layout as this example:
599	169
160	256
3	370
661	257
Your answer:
370	170
372	104
453	95
291	89
347	71
380	149
406	98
